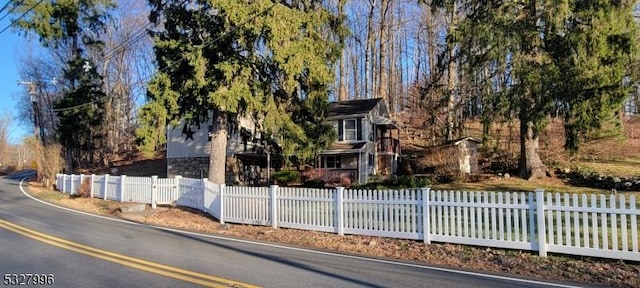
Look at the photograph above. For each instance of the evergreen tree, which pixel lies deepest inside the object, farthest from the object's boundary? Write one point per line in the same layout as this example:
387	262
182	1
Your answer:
596	53
259	59
578	53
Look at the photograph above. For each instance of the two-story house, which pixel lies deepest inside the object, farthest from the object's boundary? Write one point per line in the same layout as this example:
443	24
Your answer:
368	142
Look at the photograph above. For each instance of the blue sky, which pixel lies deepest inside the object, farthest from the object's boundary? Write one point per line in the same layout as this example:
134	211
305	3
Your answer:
10	43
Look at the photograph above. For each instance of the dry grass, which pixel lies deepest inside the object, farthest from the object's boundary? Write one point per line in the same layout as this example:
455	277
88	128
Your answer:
604	153
581	269
517	185
624	168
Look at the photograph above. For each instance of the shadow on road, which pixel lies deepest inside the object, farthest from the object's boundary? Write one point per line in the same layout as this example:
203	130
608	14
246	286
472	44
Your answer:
19	175
267	256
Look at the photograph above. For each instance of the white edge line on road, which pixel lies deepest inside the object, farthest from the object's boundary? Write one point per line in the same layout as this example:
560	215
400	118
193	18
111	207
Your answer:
305	250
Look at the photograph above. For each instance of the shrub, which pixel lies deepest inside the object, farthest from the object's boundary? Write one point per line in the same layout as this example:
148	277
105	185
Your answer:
85	188
345	181
314	183
422	182
286	177
48	160
405	181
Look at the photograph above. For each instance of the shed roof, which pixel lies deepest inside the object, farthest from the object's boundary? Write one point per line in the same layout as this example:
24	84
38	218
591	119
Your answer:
341	147
468	138
353	107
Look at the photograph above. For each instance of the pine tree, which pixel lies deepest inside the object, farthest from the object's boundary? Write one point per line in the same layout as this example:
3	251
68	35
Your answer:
578	53
596	52
257	59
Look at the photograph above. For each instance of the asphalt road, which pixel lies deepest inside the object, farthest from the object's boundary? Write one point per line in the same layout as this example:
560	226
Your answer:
226	259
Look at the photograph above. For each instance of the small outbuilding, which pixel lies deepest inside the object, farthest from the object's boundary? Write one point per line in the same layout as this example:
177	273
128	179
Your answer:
459	156
467	154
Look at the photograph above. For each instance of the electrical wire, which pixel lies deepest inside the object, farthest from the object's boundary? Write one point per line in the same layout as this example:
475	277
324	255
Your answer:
12	8
21	16
4	7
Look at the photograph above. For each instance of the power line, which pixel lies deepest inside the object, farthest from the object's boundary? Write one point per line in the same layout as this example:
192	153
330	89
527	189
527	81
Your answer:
12	8
21	16
5	6
142	81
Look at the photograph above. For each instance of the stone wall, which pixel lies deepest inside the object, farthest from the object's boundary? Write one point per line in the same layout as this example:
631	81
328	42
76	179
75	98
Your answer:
198	167
193	167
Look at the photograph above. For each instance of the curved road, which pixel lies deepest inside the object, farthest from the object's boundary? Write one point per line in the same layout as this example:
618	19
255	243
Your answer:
81	250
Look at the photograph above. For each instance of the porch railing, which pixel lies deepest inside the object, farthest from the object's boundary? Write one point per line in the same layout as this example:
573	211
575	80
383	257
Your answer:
330	175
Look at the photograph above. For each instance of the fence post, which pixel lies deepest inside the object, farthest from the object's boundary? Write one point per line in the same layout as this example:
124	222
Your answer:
222	186
64	183
93	176
71	185
542	232
205	196
339	213
81	181
176	188
273	213
154	191
105	186
426	227
123	178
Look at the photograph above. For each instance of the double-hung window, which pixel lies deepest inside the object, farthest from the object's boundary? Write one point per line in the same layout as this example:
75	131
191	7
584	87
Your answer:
350	130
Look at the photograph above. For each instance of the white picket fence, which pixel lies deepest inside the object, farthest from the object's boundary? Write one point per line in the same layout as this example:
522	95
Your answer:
598	226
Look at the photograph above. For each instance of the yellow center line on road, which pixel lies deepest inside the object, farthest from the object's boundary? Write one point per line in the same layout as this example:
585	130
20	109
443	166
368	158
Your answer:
160	269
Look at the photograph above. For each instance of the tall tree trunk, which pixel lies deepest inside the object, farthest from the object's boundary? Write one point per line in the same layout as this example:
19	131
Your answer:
342	89
368	79
432	37
451	77
218	147
356	84
531	167
383	77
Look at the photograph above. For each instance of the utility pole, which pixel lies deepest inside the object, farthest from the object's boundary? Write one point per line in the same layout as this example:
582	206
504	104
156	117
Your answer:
33	93
32	89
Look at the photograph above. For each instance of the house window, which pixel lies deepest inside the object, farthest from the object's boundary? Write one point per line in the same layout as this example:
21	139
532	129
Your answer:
350	131
371	160
332	162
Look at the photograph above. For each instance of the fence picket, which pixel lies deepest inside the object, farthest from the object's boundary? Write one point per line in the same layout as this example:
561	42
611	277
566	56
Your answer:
603	218
634	225
594	222
614	224
623	225
576	223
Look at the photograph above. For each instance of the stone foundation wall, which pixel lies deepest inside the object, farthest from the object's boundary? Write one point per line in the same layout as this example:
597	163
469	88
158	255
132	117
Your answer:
195	167
198	167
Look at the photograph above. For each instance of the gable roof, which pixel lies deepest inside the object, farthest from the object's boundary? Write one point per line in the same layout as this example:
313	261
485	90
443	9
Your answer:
352	107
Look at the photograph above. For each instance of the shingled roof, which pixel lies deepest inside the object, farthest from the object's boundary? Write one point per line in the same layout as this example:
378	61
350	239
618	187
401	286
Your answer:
352	107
